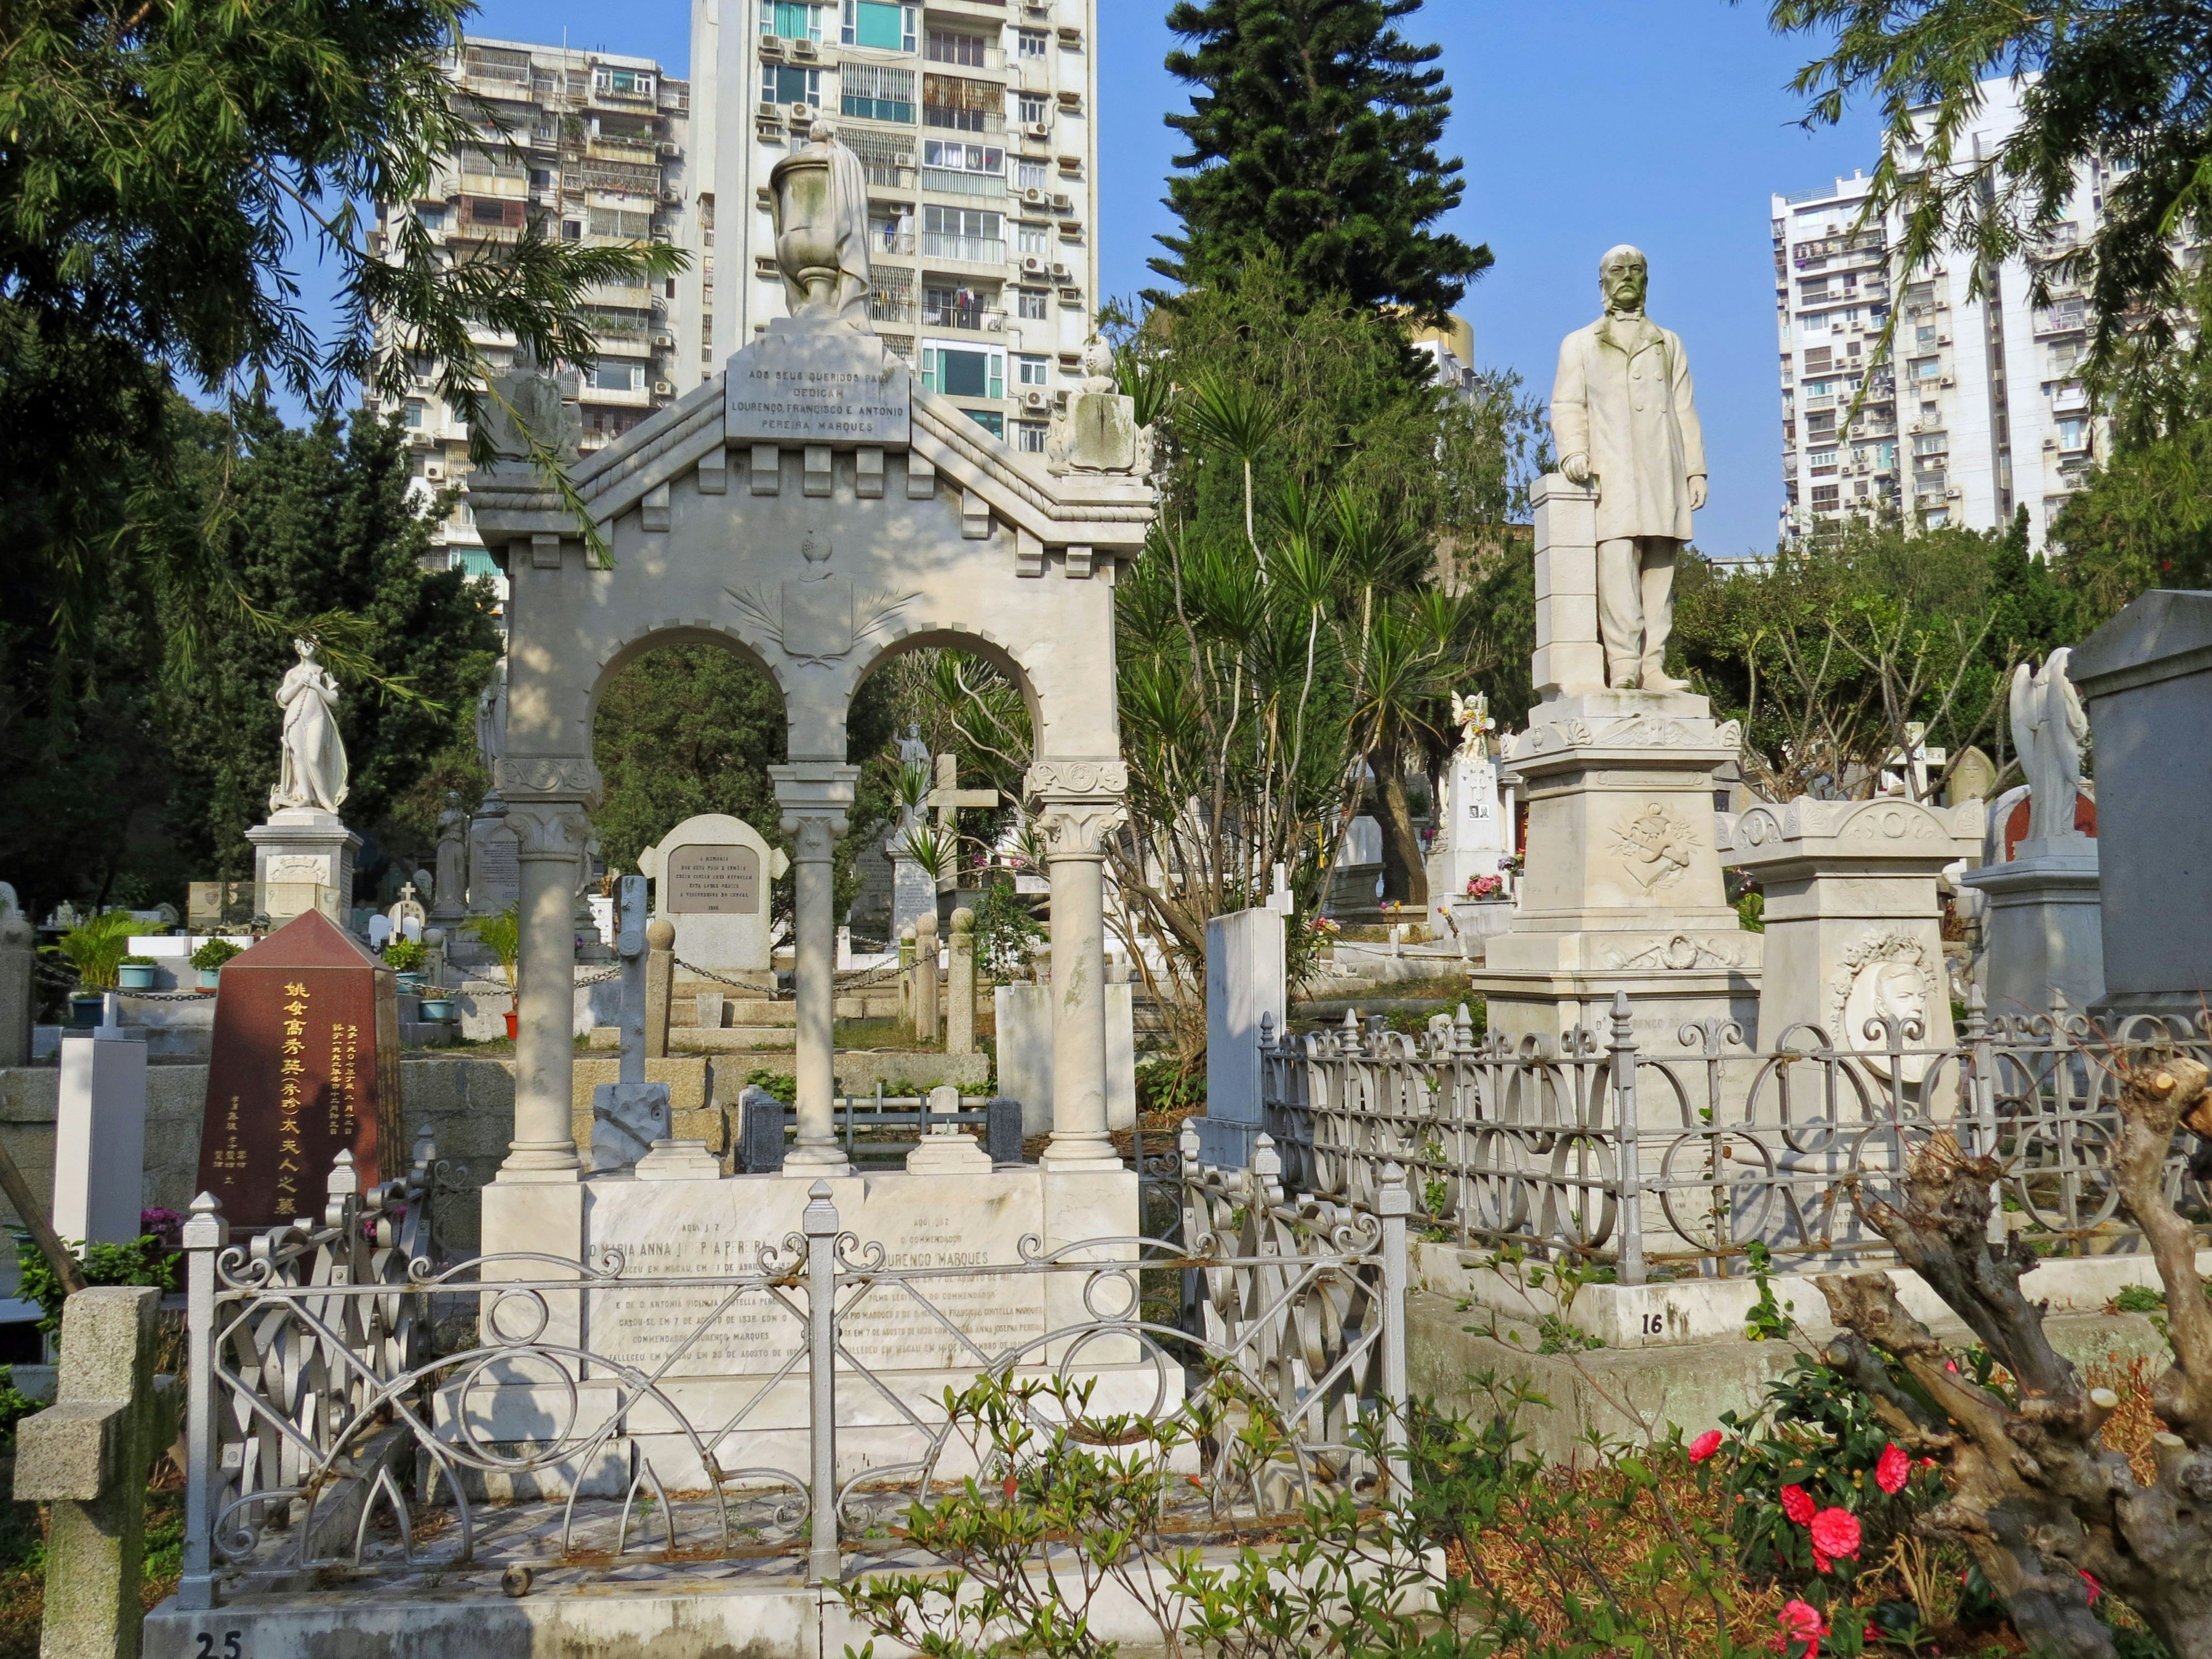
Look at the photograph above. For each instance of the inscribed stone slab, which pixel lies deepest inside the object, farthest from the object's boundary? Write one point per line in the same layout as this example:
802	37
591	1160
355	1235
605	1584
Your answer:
792	386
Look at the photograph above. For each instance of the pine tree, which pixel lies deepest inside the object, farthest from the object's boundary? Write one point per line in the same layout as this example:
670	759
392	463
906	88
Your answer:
1313	128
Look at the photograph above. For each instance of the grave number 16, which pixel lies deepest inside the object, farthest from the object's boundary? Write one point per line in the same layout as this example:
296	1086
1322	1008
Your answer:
230	1648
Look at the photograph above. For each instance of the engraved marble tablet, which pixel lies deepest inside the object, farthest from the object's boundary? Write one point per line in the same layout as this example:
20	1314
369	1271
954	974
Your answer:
715	881
797	385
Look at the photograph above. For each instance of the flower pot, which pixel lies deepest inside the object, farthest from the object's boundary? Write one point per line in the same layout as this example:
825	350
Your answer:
136	976
84	1011
438	1009
514	1025
412	982
208	976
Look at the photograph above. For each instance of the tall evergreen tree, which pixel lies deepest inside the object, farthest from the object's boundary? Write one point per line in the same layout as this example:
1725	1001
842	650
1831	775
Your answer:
1313	130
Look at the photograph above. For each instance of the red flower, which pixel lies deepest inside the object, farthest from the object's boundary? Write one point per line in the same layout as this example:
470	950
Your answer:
1011	1487
2096	1589
1952	1366
1835	1531
1801	1621
1704	1445
1873	1632
1893	1469
1797	1503
1822	1563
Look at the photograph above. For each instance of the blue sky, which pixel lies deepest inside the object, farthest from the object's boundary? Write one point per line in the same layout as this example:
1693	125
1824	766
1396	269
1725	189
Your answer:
1583	123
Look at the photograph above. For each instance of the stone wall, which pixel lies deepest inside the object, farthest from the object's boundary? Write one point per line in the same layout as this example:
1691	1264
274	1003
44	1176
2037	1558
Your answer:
468	1102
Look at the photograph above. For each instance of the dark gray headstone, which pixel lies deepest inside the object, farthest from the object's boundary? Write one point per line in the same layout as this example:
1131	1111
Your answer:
1002	1130
760	1120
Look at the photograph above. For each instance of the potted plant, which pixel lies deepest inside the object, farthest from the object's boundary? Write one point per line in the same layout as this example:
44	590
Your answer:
136	973
405	958
502	935
437	1008
95	948
209	959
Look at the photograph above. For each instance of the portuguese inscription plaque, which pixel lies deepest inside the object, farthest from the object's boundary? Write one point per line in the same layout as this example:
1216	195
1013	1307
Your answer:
306	1064
715	881
818	387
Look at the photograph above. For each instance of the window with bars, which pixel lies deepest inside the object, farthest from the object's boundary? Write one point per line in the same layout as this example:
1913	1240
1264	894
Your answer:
612	221
964	106
890	294
956	47
885	155
876	92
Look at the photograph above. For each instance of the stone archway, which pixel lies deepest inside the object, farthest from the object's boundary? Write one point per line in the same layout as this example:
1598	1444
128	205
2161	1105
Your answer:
813	508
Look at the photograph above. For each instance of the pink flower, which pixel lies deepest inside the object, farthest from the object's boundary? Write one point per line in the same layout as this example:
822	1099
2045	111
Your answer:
1836	1533
1797	1503
1822	1563
1952	1366
1801	1621
1704	1445
2096	1589
1893	1469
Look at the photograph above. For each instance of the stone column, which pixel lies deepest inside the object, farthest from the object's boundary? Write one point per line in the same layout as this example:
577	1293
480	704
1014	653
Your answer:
659	984
1080	808
960	986
815	796
19	959
551	837
925	977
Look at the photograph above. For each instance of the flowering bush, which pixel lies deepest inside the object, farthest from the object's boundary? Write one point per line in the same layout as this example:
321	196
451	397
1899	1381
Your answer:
1325	928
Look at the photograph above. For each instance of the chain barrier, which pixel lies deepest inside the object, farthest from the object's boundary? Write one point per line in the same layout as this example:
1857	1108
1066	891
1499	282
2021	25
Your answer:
860	979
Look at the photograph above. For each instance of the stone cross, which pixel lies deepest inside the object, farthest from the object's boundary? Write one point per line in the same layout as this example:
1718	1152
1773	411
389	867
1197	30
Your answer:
948	798
1917	757
89	1455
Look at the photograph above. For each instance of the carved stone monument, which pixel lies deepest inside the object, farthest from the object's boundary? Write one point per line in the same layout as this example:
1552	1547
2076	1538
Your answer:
1471	835
303	856
2043	930
1854	928
1096	430
1622	885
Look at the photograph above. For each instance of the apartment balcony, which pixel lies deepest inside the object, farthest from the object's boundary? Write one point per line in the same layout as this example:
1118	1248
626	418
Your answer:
957	182
889	308
971	319
889	241
962	120
990	59
2061	319
968	250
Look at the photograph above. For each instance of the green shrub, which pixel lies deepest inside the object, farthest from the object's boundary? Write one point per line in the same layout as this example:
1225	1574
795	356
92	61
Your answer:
213	953
1007	936
502	936
146	1260
140	961
405	956
96	948
781	1085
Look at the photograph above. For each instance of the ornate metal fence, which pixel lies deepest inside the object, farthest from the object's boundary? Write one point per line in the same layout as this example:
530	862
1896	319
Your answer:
1599	1150
357	1408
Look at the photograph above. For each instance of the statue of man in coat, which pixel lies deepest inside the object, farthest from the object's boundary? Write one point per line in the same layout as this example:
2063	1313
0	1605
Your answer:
1625	420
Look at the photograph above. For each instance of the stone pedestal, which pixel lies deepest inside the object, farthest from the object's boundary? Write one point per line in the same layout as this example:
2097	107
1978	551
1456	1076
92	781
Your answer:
1244	986
1853	924
2044	927
99	1138
303	861
1622	889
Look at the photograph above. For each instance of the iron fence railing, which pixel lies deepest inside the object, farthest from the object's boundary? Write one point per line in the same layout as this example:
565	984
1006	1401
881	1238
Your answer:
354	1404
1597	1149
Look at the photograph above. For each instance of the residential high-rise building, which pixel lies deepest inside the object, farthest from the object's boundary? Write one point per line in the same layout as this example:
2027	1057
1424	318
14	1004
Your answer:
1979	407
974	120
591	146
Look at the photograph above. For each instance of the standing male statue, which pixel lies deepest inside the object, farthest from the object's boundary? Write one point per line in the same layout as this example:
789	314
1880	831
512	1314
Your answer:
1623	414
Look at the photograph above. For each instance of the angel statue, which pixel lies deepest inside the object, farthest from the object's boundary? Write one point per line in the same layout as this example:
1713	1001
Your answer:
2048	730
1472	715
314	772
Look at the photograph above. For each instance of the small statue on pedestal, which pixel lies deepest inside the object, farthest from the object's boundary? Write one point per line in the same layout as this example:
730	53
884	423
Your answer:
1097	431
314	771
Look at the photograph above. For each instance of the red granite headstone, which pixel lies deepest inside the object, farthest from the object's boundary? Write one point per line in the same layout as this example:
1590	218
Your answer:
305	1062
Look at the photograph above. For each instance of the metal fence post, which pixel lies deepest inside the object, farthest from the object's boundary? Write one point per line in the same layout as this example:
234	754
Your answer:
1984	1101
824	1564
205	1234
1395	1204
1629	1256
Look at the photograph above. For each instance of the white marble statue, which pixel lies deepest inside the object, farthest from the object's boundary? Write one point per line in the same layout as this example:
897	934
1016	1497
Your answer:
314	774
1470	714
2048	728
820	197
1626	422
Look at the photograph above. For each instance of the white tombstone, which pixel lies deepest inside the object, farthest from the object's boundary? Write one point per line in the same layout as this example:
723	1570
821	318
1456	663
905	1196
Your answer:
100	1137
380	932
1471	837
1244	983
711	876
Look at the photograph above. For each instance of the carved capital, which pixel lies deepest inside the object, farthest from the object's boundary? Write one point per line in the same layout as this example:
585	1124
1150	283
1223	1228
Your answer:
548	829
547	777
815	796
1075	829
1076	777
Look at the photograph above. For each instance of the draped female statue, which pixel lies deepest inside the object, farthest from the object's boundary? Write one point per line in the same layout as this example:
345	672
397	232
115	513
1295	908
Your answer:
313	773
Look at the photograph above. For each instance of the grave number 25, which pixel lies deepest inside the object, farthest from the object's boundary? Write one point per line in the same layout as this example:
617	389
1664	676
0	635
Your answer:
230	1649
